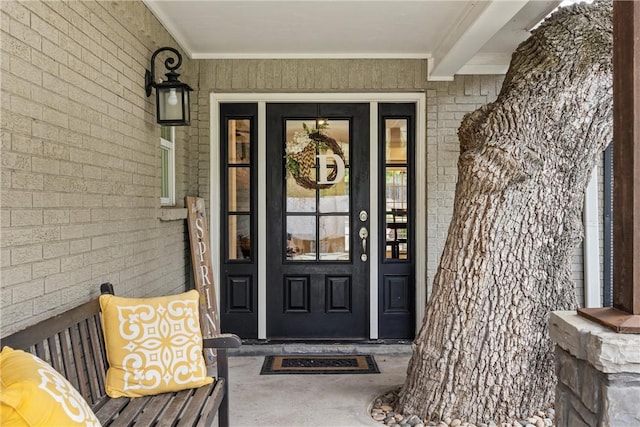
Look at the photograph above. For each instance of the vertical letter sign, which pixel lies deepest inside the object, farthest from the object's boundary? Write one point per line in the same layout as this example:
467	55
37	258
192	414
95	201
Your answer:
202	272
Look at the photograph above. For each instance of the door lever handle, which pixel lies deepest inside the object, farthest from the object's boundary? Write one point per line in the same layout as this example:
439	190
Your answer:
363	236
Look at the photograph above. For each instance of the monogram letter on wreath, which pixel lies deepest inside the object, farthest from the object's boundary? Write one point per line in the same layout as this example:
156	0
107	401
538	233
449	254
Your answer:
301	155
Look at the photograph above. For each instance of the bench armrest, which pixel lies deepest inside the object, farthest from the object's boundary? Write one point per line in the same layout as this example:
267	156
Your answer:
222	341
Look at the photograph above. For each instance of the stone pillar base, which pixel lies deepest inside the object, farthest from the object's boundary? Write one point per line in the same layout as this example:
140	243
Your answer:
598	373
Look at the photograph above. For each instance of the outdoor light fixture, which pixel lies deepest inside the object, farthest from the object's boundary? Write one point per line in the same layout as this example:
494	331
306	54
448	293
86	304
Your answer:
172	96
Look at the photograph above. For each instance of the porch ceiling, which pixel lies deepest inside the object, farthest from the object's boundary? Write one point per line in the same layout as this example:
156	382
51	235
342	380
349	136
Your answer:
457	36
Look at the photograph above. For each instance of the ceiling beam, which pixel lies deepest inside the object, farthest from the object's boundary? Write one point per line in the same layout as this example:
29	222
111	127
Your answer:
487	63
479	24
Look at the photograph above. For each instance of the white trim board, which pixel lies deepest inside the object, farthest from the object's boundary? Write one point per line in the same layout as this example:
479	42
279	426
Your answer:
262	99
591	245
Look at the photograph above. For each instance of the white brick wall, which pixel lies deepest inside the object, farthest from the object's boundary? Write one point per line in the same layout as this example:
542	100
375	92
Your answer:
80	159
447	103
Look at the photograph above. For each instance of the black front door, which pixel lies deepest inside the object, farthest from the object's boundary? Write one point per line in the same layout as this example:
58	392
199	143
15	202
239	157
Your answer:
317	221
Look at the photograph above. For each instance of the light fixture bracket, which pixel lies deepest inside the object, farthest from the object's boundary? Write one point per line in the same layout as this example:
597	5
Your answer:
149	76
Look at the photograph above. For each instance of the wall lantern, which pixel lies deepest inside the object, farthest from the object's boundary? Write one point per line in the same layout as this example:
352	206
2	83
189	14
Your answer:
172	96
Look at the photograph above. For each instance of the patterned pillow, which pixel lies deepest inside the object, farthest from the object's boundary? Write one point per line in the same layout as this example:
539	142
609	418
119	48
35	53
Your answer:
32	393
154	345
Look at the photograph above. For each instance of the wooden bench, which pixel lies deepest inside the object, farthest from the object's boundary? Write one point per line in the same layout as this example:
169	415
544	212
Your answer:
72	342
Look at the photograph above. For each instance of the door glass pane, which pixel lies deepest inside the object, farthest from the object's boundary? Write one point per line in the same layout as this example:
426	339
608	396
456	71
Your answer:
334	238
239	237
396	140
335	198
314	157
316	153
300	151
239	189
396	213
300	199
339	130
297	126
301	238
239	140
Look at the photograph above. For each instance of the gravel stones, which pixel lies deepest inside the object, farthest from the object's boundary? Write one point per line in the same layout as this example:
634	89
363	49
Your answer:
382	412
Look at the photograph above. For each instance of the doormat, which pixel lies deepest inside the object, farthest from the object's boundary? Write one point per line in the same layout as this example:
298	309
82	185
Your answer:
320	364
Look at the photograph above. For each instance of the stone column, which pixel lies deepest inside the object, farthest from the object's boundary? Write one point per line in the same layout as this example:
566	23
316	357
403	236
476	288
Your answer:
598	373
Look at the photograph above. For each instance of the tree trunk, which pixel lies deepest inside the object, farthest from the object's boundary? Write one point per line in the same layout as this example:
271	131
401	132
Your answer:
483	352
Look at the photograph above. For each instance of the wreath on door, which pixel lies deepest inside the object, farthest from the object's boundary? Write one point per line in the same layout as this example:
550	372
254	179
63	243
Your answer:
301	156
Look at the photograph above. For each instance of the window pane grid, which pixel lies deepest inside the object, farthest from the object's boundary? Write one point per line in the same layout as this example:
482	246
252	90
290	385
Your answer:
239	142
396	190
317	218
238	174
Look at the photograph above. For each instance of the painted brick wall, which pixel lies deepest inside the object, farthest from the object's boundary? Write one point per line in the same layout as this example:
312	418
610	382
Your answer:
80	159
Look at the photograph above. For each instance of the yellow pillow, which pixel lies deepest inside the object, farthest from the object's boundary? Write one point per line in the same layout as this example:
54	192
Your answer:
154	345
32	393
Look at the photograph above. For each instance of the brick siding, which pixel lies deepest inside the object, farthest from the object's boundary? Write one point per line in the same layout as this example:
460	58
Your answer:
80	159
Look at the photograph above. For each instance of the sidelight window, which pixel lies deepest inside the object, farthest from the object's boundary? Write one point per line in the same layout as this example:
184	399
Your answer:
396	190
238	170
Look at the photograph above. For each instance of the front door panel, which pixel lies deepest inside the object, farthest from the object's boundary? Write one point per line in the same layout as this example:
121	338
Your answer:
317	187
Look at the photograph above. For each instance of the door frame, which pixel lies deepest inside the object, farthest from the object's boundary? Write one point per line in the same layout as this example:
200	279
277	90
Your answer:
373	98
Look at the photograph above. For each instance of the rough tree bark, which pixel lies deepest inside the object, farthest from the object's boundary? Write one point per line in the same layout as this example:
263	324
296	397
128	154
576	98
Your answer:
483	352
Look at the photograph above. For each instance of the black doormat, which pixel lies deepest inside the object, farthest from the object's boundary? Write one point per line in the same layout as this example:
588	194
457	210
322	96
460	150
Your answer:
320	364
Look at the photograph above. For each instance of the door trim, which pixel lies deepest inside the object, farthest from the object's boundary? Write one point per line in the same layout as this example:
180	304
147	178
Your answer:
373	99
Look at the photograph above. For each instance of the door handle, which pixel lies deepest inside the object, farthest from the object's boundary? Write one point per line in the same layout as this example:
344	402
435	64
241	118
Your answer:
364	233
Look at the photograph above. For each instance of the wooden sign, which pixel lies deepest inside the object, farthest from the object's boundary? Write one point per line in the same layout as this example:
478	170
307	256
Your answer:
202	271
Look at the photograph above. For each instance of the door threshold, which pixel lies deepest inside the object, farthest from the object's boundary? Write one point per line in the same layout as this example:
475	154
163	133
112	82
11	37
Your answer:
279	347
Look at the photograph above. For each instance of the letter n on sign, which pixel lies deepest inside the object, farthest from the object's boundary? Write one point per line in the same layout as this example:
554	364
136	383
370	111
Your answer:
202	272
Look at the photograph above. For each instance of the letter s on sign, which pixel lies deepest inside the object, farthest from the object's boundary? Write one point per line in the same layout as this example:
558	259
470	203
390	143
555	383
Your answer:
199	228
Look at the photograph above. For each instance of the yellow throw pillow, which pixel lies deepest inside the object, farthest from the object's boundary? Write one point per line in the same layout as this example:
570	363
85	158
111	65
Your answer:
154	345
32	393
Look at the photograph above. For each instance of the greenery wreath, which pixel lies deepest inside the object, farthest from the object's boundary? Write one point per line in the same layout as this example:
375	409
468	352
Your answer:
301	155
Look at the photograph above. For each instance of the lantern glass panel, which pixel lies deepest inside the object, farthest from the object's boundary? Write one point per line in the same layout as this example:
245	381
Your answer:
186	106
170	104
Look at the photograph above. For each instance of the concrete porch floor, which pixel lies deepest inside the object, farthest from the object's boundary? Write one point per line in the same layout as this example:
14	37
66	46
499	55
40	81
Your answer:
310	400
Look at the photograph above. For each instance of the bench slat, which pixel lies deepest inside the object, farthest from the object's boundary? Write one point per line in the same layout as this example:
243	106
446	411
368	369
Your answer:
212	404
70	368
197	402
41	352
87	350
78	360
109	409
154	409
54	354
175	408
131	411
97	355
